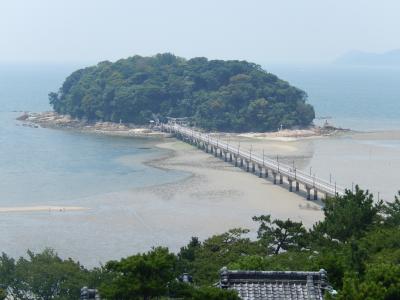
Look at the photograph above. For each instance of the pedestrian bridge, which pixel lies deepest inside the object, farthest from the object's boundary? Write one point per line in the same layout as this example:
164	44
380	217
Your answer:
297	180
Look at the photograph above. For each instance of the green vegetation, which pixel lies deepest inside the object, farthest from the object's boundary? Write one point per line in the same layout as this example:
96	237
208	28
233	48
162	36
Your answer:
358	243
216	94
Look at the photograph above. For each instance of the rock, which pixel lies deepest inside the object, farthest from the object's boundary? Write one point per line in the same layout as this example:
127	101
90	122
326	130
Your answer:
23	117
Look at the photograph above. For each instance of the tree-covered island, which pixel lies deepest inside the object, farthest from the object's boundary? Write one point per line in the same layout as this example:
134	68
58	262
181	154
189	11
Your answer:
218	95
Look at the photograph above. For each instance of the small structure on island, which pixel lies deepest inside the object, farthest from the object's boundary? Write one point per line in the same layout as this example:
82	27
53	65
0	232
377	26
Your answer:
276	285
186	278
87	294
180	121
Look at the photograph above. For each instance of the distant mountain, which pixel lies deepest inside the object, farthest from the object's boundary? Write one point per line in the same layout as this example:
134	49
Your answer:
359	58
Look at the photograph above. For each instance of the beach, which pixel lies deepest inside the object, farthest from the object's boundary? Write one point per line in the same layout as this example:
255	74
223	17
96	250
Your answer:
17	209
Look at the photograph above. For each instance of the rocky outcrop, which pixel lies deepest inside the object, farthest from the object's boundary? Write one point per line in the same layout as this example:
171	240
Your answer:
54	120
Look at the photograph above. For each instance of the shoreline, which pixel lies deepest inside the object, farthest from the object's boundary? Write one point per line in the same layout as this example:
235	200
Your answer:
54	120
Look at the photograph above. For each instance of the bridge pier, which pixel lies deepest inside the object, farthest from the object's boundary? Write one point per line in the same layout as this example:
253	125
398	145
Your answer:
308	189
220	152
206	148
225	156
280	179
236	160
290	185
315	194
230	157
241	162
274	174
211	149
266	173
297	186
247	166
253	167
259	171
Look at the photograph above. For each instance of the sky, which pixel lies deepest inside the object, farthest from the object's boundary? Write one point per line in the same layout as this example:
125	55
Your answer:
262	31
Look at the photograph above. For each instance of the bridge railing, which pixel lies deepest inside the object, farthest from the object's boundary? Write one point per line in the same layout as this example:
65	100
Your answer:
275	166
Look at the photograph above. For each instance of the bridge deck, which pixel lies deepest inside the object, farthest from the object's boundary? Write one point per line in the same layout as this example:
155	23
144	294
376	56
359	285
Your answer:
277	168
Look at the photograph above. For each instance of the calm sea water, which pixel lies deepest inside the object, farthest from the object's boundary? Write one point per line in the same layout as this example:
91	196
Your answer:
44	166
360	98
54	167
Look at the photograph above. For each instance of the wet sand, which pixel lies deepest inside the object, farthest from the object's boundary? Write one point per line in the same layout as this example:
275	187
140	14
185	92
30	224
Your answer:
217	196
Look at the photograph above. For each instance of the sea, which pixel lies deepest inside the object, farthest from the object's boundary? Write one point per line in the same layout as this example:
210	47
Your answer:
44	167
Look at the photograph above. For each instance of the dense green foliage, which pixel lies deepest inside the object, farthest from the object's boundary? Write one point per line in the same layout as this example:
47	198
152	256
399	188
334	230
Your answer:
216	94
358	243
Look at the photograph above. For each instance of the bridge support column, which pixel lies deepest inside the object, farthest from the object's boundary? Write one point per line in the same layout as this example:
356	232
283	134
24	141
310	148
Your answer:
274	174
259	171
220	152
241	162
280	179
206	148
236	160
266	173
247	166
215	152
315	194
230	157
308	193
225	156
290	185
297	186
253	167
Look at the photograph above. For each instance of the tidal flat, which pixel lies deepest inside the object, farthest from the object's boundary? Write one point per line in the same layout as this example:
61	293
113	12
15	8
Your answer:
208	197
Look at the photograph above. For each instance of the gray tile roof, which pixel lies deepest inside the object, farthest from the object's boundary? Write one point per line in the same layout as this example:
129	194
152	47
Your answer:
260	285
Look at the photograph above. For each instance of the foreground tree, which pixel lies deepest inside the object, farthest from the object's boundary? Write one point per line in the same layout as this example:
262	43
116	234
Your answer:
280	235
381	282
42	276
349	216
142	276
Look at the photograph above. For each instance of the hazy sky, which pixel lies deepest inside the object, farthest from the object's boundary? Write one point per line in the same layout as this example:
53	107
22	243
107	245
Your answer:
263	31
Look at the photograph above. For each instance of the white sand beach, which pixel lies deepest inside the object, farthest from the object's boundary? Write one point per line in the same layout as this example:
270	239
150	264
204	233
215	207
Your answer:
40	209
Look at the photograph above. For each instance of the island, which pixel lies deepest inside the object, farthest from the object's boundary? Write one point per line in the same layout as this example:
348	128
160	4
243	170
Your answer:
229	96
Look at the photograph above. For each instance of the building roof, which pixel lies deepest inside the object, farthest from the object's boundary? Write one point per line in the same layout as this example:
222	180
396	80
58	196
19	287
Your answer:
274	285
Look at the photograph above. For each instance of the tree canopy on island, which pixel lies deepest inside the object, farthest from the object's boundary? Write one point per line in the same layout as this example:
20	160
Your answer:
218	95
